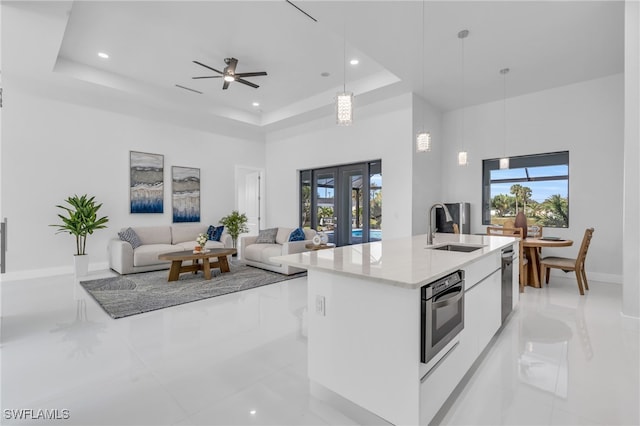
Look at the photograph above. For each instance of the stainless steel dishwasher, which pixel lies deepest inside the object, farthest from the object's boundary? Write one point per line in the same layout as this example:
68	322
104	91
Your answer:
507	281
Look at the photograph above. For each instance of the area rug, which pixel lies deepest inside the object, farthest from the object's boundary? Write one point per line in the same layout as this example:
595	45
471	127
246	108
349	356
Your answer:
133	294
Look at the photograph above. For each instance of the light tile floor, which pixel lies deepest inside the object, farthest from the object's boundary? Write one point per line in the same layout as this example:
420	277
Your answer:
240	359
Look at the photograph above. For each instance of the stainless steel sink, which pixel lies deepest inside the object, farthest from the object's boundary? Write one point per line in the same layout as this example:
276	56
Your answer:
457	247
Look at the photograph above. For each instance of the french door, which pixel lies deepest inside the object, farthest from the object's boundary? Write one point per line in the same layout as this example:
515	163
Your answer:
342	202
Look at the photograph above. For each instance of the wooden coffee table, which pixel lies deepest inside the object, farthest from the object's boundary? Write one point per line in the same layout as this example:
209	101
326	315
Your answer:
205	266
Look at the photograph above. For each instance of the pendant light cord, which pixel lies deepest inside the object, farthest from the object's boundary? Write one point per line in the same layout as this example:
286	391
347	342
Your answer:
423	1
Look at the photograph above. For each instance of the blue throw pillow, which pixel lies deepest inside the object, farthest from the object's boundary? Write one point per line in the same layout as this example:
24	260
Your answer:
211	232
130	236
297	235
218	233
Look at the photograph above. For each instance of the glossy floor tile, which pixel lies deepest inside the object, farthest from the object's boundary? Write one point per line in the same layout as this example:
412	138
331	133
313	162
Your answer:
240	359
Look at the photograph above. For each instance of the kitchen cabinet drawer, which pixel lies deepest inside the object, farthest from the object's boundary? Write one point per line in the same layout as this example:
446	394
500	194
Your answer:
478	270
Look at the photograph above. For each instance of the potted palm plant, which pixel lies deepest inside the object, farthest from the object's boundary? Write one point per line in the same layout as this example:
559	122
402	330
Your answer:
235	224
81	219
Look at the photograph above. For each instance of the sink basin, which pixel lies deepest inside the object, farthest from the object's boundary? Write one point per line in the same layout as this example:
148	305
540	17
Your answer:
457	247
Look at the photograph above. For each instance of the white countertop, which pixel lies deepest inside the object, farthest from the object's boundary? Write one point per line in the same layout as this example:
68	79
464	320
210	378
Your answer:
402	262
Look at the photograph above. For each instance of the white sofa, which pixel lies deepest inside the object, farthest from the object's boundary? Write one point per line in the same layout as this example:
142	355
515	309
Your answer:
259	255
124	259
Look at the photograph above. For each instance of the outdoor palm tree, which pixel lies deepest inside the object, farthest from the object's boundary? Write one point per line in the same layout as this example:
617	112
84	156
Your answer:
557	209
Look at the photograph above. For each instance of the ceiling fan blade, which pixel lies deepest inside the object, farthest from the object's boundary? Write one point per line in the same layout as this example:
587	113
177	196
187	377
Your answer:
251	74
208	67
231	68
225	86
248	83
210	76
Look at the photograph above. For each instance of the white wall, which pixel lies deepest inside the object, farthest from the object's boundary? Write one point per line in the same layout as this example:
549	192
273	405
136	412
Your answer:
587	120
51	150
427	169
380	131
631	242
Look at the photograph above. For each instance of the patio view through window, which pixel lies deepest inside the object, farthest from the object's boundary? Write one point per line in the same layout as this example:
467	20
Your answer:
343	201
537	184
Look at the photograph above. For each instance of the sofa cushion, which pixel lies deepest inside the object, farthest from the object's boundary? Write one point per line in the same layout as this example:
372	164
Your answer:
283	235
217	233
214	233
309	234
267	236
148	254
184	233
262	253
154	234
190	245
130	236
297	235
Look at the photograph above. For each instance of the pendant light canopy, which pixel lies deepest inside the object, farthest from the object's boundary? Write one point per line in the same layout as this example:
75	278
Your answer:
344	99
423	139
462	155
504	161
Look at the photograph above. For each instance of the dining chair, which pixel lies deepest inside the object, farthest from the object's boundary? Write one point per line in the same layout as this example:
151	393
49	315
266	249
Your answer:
513	232
568	264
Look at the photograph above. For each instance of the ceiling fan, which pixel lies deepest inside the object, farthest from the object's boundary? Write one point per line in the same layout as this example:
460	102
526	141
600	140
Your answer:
229	74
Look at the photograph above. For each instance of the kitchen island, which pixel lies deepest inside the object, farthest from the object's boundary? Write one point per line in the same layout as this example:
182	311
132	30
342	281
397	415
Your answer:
365	320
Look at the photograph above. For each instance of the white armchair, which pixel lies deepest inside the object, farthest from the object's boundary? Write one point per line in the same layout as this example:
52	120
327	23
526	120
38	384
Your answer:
260	254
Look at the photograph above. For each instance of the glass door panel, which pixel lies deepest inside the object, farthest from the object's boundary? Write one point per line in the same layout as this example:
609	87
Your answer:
344	202
325	202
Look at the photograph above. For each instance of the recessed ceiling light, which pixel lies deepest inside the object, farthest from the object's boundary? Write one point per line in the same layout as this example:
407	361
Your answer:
354	62
103	55
325	74
252	412
256	104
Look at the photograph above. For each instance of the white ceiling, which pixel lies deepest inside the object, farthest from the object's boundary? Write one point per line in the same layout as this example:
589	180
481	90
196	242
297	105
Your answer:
152	45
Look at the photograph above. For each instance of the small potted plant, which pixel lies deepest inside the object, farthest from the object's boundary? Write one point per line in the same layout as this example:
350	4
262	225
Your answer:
235	224
81	219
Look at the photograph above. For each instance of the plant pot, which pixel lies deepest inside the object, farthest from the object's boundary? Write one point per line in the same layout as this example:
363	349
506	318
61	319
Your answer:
81	263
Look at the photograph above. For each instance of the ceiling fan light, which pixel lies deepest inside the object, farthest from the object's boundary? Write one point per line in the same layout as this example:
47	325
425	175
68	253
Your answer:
344	108
504	163
229	78
423	142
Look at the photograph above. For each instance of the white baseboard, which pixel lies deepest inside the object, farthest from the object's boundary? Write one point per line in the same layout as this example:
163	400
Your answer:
48	272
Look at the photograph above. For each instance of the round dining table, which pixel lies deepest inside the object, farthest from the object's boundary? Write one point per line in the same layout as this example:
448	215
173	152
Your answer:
534	273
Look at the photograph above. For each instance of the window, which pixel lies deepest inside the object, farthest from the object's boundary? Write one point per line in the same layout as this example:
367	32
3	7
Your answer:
536	184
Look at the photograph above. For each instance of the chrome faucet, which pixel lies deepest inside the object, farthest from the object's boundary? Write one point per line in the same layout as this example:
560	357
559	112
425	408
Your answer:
431	230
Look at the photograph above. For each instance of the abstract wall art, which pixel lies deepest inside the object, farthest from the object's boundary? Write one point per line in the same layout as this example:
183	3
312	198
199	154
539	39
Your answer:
186	194
146	182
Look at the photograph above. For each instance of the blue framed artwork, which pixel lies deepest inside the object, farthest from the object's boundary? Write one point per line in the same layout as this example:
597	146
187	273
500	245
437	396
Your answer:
146	182
185	194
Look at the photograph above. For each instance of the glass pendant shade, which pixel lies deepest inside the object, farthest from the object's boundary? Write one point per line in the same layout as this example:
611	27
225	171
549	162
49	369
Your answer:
462	158
423	142
504	163
344	108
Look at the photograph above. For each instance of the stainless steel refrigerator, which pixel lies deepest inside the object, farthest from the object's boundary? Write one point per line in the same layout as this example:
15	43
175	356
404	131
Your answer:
460	215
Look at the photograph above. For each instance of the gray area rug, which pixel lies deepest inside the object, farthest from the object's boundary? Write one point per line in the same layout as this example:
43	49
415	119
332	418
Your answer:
133	294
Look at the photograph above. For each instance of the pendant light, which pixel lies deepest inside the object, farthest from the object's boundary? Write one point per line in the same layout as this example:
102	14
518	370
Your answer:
462	155
504	161
344	100
423	139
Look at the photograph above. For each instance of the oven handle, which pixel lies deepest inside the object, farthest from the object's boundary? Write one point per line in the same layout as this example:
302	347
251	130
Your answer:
448	301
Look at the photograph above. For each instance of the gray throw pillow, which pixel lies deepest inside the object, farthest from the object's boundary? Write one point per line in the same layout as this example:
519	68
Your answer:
130	236
267	236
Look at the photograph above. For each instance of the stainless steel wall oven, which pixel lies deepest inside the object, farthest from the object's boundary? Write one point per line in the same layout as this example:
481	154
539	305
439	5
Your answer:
442	314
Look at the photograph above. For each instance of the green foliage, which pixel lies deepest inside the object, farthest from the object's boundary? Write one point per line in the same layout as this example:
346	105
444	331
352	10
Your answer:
556	211
235	224
81	219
